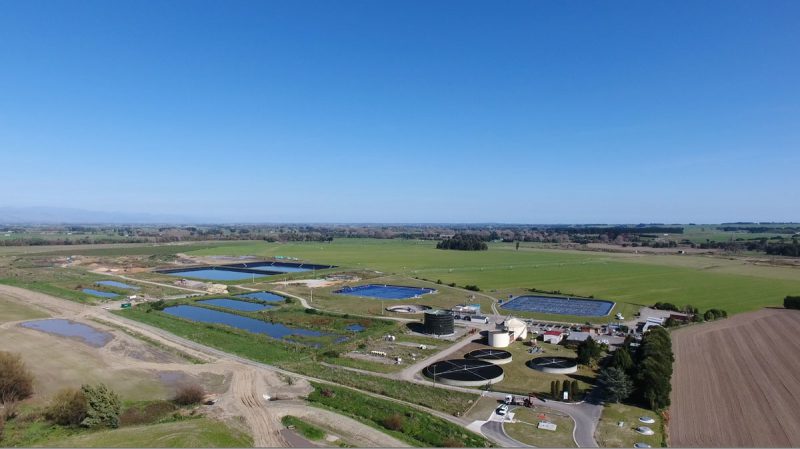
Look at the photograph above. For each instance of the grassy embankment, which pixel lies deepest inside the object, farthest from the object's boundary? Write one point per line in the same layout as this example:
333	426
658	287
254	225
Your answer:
398	420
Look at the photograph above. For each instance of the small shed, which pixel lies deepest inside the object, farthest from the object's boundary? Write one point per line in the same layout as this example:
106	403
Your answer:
553	337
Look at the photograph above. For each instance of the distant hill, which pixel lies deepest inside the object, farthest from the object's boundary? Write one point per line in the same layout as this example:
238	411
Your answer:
59	215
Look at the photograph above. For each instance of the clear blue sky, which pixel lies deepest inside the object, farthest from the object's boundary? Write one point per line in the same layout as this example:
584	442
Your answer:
434	111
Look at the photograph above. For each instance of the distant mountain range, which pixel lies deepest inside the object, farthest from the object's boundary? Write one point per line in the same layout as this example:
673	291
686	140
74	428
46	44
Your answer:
59	215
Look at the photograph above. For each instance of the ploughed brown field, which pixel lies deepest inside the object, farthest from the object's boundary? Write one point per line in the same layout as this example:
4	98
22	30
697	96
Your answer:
737	382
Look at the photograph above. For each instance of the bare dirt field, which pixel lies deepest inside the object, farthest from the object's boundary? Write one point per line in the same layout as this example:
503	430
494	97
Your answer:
735	382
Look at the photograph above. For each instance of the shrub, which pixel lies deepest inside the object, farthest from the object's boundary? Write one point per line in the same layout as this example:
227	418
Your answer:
16	382
149	413
791	302
104	406
158	305
394	422
68	407
472	288
288	301
189	395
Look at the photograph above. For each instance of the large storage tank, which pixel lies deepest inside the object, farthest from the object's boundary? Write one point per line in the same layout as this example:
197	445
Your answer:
439	322
499	339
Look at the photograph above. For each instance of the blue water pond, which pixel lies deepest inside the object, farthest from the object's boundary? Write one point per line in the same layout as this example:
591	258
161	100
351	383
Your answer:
93	292
117	284
67	328
242	306
274	330
379	291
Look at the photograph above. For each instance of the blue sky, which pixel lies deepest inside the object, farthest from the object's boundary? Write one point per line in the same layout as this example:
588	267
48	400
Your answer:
377	111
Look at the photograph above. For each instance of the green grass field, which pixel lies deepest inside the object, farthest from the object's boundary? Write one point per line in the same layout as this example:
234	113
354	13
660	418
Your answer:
632	279
610	434
525	430
188	433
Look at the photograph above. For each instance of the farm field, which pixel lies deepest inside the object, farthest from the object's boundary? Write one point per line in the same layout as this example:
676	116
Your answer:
704	282
735	382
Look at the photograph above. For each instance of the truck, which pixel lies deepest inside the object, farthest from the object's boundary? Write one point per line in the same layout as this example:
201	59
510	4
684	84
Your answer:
125	305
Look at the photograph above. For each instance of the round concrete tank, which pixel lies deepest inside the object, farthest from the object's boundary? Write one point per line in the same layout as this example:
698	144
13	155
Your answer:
439	322
499	339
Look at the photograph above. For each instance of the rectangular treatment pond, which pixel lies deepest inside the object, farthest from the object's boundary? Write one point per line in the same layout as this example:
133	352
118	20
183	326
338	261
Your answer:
559	305
213	274
274	330
242	306
383	291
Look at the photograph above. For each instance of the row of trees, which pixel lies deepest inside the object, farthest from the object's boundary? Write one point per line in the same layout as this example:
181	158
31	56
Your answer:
463	242
557	389
644	375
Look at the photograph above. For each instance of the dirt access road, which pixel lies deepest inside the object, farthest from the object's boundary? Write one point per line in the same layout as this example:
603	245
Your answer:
735	382
248	384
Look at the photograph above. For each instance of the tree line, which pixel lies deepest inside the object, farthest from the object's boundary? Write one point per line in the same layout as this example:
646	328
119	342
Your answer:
463	242
642	374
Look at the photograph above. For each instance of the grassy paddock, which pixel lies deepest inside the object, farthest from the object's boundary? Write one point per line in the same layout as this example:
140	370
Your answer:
704	282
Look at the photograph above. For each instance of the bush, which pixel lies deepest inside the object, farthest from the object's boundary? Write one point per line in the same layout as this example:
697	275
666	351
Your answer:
791	302
158	305
149	413
16	382
104	407
472	288
189	395
394	422
68	407
288	301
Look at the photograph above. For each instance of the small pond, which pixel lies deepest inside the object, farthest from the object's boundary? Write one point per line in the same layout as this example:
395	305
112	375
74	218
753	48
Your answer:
117	284
355	328
93	292
67	328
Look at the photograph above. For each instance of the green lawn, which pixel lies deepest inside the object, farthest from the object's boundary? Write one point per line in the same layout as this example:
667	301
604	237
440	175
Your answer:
525	428
704	282
610	434
188	433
